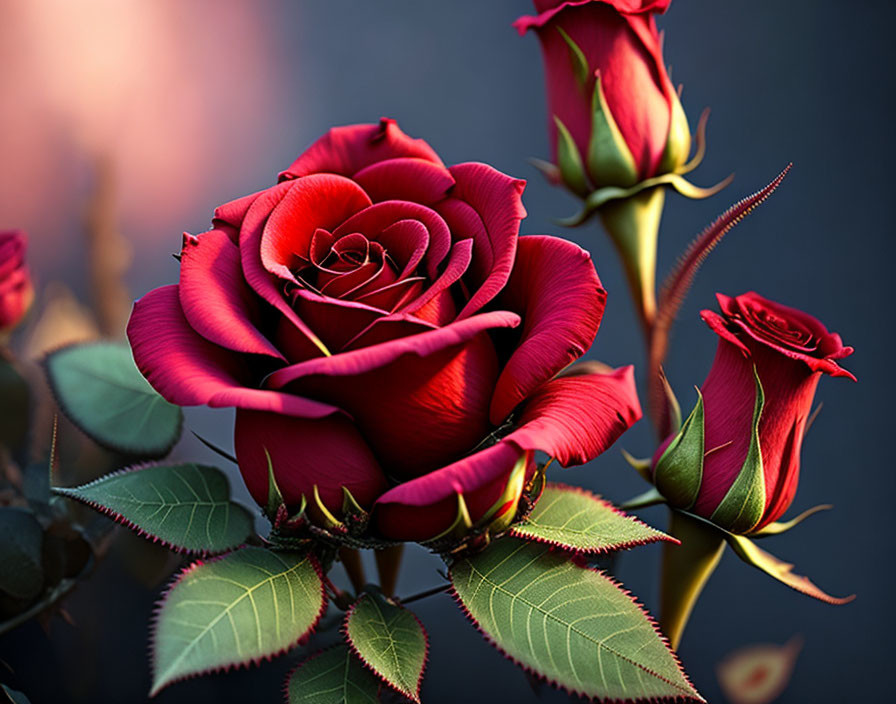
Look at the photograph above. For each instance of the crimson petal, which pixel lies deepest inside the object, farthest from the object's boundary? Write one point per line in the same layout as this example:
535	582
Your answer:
412	179
216	300
576	418
347	150
326	452
556	290
190	371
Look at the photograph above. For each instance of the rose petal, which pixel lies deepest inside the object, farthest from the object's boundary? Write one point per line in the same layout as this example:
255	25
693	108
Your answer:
327	452
413	179
347	150
322	201
459	261
376	356
426	506
576	418
216	300
496	197
190	371
556	290
302	342
377	219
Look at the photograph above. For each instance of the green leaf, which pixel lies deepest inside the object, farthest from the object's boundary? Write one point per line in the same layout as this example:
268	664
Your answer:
100	389
578	520
779	527
390	640
334	676
184	506
250	605
12	696
21	542
15	406
748	551
569	624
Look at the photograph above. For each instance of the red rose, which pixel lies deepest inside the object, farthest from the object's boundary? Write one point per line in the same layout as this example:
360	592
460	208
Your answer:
740	489
615	41
377	322
16	289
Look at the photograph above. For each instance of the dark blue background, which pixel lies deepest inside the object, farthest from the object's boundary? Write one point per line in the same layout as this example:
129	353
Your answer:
807	82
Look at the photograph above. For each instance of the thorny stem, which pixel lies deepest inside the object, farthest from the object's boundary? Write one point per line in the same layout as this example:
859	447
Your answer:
423	595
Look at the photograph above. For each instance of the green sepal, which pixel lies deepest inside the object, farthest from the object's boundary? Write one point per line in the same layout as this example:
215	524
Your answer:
750	553
779	527
350	506
651	497
641	466
604	195
569	161
275	496
672	404
323	513
459	527
503	512
743	505
577	57
610	161
678	142
679	470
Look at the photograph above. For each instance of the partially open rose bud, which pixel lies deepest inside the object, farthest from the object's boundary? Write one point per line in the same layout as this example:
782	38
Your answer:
615	116
736	459
16	289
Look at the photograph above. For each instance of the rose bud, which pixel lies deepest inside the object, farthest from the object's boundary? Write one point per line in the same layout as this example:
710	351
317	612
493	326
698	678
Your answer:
617	130
736	459
615	117
16	288
387	338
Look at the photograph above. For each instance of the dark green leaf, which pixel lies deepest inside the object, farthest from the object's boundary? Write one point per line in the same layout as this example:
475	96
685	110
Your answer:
15	405
578	520
390	640
21	542
335	676
571	625
185	506
100	389
13	697
250	605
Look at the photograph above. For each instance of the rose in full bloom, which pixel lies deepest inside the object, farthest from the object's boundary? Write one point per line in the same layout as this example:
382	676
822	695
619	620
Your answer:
380	326
16	288
609	95
736	460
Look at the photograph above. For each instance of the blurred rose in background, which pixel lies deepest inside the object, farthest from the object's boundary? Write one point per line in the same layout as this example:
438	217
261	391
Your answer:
164	100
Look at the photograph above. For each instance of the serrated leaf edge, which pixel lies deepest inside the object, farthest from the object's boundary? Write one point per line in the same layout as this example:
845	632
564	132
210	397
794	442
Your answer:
626	545
314	656
414	696
67	492
230	666
557	685
51	384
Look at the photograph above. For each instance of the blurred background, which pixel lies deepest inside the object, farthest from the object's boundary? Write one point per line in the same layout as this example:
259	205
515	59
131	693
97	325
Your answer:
146	115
